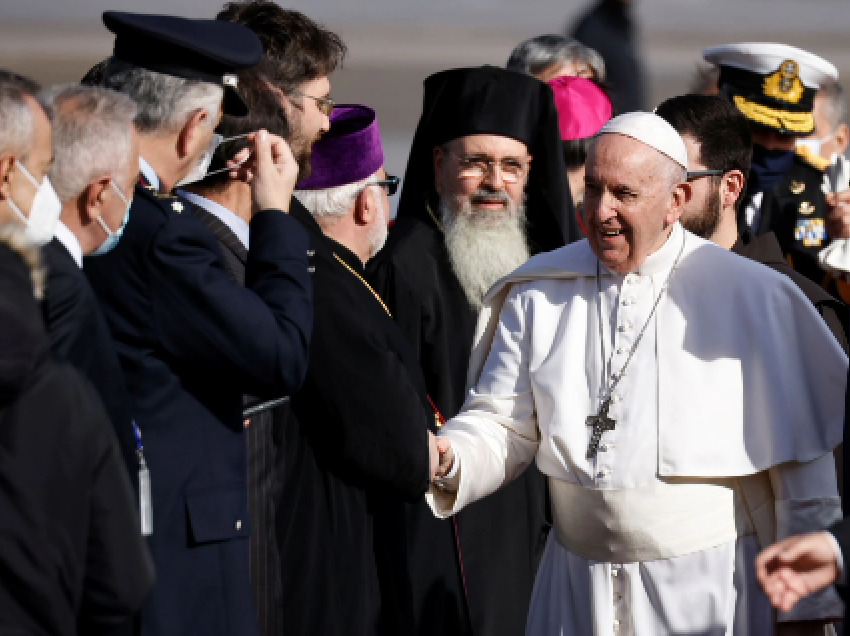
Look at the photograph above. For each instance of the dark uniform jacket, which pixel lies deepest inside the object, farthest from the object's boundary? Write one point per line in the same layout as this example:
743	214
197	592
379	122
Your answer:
502	536
765	249
191	342
355	450
79	334
72	559
794	210
263	436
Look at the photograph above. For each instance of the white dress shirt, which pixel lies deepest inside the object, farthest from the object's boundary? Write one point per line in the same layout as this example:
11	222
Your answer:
67	238
148	173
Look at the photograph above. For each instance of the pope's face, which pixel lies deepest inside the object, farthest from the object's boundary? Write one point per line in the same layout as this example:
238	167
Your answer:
630	201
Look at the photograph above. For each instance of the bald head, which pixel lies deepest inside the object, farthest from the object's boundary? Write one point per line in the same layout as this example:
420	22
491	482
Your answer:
633	195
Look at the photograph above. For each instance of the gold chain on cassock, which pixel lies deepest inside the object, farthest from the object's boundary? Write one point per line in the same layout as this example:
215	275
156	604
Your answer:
438	420
363	280
434	218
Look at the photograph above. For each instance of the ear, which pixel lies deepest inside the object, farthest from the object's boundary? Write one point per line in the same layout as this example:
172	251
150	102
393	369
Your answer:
680	196
365	206
730	188
439	157
7	168
93	198
842	137
193	126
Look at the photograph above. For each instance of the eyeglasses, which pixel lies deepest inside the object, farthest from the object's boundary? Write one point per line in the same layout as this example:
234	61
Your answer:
324	104
705	173
390	184
477	167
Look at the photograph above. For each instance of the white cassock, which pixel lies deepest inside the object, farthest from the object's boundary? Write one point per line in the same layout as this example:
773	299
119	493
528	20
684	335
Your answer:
725	422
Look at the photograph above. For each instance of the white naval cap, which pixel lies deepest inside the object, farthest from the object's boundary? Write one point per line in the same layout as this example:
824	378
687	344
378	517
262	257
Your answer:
652	130
764	58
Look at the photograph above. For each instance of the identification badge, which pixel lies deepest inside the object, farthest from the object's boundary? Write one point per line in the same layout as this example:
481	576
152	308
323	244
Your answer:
145	506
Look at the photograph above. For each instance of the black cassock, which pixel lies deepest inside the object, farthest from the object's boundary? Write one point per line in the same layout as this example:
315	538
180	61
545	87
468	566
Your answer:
503	535
354	452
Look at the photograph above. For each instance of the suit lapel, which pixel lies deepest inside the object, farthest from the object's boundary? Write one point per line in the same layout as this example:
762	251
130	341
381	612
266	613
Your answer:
222	233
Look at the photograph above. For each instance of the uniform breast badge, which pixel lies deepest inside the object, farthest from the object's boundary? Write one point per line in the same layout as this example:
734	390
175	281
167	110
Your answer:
797	187
811	232
806	208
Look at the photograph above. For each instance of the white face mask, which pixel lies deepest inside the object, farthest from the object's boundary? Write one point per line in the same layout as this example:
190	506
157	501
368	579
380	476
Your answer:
200	170
814	145
44	211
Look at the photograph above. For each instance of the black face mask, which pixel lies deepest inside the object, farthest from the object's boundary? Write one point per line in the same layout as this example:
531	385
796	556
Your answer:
767	168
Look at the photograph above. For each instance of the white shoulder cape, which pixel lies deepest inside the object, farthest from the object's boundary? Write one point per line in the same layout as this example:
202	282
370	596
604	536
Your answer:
784	402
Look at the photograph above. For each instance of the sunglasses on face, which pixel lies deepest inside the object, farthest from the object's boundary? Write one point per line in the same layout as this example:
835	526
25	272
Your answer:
390	184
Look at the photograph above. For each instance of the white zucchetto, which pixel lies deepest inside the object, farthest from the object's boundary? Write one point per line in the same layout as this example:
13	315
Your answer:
652	130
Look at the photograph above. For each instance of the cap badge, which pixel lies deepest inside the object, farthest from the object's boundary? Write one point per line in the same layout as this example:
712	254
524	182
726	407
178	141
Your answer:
784	84
806	208
229	79
797	187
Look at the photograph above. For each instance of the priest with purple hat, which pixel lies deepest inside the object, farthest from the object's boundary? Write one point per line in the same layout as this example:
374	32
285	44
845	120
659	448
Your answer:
357	446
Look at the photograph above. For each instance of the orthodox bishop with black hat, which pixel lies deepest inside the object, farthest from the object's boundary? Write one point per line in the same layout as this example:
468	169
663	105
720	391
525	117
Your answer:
484	188
678	431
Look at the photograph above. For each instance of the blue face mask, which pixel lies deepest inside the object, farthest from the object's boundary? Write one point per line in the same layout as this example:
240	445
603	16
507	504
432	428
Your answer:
112	238
767	168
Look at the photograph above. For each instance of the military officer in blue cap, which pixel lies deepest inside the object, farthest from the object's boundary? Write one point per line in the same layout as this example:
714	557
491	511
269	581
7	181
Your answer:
773	86
191	341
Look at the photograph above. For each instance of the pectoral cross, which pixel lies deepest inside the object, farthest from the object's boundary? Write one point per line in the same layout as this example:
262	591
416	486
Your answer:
600	423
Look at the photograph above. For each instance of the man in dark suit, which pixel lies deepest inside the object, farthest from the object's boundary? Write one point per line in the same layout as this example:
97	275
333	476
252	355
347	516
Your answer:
224	206
95	162
190	340
72	559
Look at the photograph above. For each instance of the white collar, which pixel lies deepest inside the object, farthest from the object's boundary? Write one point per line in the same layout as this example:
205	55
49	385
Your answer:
65	236
662	259
148	173
236	225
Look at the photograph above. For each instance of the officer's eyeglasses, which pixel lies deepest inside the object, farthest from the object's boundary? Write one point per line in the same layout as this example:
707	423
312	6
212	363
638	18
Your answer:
390	184
477	166
696	174
324	104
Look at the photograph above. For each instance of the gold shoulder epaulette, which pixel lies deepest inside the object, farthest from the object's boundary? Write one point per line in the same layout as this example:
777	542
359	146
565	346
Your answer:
811	159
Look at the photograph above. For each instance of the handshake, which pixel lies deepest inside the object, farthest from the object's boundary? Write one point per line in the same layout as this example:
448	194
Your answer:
442	458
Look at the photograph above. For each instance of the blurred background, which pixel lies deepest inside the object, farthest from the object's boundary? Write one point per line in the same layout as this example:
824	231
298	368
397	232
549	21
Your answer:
395	44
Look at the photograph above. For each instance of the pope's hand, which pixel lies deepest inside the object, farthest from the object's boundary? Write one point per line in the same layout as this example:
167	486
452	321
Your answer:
271	171
441	454
837	214
796	567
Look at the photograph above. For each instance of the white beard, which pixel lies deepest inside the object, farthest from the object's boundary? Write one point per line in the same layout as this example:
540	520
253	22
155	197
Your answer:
483	246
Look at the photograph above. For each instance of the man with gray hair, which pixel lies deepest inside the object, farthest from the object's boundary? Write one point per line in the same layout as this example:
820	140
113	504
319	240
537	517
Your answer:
191	341
95	168
677	429
549	56
831	134
26	194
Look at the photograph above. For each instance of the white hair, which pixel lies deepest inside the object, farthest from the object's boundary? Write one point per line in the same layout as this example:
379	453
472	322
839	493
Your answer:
329	205
165	102
538	54
91	136
16	123
835	104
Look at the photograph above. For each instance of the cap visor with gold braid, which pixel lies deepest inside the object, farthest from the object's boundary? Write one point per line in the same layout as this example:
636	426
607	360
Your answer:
773	85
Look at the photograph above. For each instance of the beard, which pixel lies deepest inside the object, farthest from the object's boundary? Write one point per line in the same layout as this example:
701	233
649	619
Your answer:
704	223
379	231
302	147
483	245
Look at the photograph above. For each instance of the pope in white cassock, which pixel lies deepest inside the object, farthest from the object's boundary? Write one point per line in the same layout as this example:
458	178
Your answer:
683	402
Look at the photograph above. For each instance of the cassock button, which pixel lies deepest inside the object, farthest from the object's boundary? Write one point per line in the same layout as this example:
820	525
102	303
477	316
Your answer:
238	524
620	351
